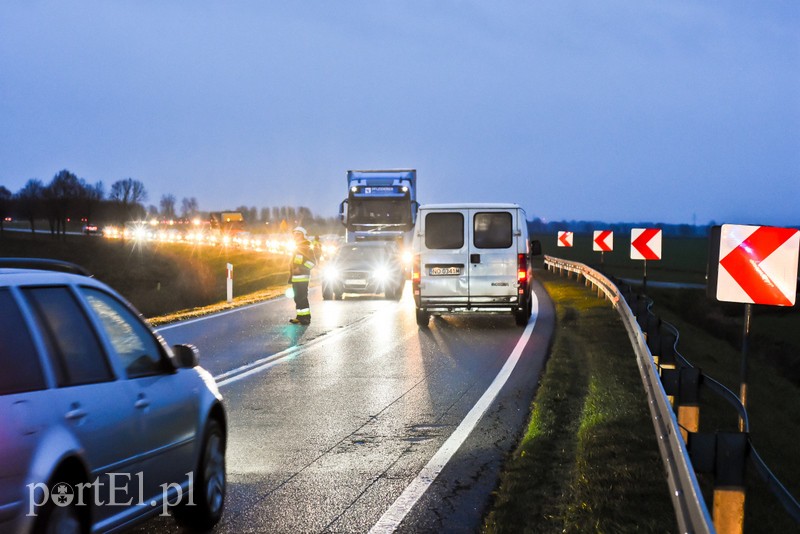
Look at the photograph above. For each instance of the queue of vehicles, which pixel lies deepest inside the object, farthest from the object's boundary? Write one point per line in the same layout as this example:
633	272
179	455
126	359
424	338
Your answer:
69	344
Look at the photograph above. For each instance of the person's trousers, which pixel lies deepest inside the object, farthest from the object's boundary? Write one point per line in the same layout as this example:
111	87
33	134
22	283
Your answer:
301	301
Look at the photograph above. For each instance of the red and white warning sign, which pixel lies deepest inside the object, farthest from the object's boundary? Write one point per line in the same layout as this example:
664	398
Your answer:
645	244
603	241
565	239
758	264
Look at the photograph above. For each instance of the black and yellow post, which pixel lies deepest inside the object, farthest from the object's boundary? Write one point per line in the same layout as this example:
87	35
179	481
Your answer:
729	490
689	401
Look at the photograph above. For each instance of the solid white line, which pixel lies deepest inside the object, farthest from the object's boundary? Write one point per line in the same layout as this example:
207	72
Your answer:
392	518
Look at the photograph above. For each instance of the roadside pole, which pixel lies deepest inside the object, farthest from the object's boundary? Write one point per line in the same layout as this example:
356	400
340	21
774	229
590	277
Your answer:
229	282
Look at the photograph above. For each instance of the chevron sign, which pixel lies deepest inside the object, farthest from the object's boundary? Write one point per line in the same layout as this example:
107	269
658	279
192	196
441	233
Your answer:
603	241
565	239
645	244
758	264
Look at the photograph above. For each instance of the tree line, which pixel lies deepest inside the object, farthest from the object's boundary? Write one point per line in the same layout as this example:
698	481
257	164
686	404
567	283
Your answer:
70	198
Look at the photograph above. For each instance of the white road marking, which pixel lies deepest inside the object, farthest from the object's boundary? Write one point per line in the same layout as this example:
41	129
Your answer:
392	518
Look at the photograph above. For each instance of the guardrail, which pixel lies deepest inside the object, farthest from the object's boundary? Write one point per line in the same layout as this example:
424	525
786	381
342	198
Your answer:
690	508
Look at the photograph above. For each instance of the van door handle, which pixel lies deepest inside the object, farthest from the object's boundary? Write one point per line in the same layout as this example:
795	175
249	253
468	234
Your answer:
474	258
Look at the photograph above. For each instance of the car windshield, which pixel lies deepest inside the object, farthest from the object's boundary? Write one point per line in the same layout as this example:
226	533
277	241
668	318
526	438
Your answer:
362	253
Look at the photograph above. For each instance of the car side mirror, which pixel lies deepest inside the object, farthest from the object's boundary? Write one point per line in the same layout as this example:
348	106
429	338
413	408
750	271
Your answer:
187	356
536	247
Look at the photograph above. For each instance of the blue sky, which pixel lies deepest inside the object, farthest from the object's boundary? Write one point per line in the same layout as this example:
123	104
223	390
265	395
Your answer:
617	110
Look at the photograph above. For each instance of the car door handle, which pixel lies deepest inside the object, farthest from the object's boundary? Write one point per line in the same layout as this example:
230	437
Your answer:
76	413
474	258
142	402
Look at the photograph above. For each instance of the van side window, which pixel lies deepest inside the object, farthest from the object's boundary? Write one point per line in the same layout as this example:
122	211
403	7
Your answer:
493	230
18	358
444	230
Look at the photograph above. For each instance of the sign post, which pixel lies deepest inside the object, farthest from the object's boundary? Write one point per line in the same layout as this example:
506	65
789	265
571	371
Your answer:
645	245
230	282
603	242
753	265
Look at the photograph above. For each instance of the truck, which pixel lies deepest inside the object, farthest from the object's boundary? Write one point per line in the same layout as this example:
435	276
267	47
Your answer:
381	205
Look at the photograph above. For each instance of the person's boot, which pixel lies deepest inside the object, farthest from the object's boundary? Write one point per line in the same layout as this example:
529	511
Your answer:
294	321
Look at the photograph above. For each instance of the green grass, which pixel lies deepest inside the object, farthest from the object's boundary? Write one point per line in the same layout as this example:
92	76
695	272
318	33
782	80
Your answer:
158	279
589	461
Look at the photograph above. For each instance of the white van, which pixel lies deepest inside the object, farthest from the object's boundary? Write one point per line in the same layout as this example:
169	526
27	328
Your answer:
472	258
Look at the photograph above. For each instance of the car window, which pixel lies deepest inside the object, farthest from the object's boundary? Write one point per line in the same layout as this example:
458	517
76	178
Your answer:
20	369
492	230
444	230
76	352
135	345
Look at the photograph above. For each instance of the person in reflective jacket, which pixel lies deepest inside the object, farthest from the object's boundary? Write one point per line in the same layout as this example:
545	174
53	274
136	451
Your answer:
303	260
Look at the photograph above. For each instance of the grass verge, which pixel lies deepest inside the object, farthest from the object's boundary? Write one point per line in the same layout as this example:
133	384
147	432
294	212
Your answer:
589	461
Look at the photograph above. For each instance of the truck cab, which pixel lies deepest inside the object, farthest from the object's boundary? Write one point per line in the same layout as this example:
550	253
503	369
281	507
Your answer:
380	206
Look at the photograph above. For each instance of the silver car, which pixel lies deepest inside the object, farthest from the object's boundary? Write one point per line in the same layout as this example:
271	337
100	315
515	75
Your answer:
101	423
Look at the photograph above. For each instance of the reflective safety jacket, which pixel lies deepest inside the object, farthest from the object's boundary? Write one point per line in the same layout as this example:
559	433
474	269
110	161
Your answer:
303	260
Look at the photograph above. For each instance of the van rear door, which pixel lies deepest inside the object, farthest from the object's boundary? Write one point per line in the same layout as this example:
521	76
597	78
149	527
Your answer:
492	255
445	263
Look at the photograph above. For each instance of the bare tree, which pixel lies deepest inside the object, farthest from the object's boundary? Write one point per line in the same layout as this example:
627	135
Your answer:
128	191
30	201
62	195
167	205
91	196
189	207
5	206
128	195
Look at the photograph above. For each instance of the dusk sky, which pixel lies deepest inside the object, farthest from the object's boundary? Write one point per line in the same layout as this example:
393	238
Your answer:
675	111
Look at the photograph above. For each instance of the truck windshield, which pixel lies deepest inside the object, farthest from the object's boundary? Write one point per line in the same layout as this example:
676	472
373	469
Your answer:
379	212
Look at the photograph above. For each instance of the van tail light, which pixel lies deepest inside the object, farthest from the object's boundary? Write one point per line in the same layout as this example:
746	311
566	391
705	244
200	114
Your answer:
522	268
415	268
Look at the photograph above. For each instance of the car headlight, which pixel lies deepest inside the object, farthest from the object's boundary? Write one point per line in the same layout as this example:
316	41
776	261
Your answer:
381	274
330	273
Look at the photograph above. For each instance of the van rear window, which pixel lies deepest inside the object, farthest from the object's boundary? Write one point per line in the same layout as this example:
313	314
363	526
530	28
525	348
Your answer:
444	230
492	230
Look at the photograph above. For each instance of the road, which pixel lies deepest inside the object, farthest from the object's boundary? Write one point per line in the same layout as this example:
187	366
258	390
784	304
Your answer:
329	425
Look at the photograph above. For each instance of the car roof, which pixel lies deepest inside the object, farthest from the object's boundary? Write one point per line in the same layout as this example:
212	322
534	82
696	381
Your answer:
13	276
27	271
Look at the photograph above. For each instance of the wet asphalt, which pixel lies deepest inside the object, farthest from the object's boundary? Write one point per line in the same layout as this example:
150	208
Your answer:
329	423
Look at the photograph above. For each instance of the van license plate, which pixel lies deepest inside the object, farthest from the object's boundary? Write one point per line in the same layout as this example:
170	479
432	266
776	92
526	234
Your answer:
444	271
